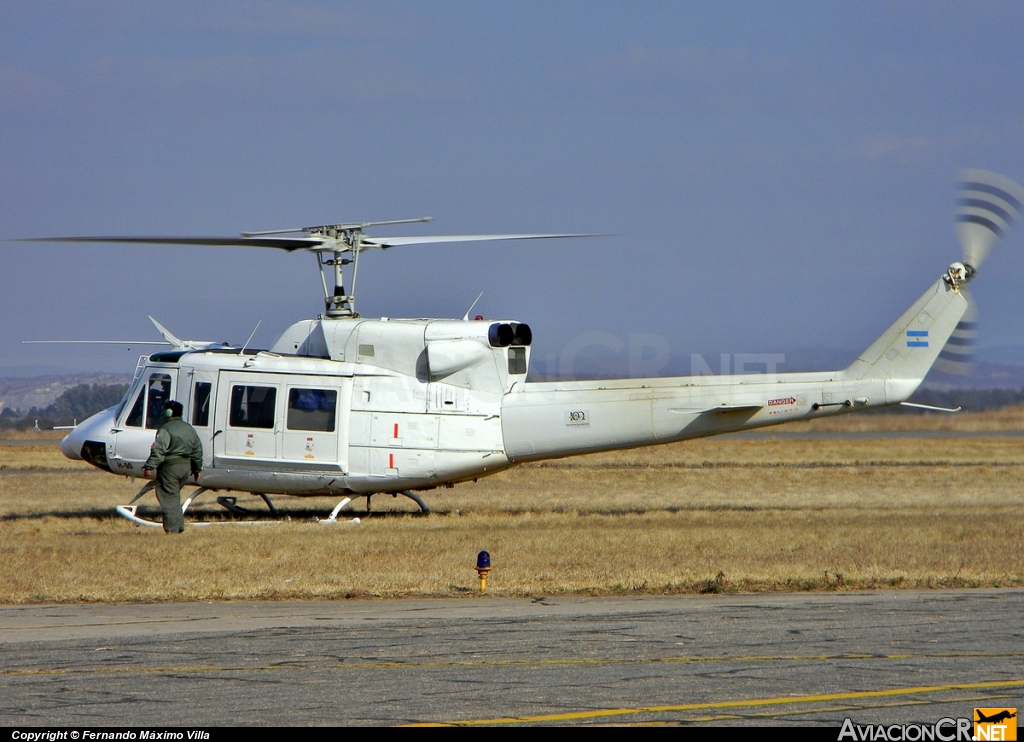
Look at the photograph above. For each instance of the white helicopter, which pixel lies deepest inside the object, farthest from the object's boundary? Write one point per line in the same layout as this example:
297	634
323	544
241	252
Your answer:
349	406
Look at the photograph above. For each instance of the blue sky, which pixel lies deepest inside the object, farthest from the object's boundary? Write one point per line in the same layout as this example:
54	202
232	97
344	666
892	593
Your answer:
775	176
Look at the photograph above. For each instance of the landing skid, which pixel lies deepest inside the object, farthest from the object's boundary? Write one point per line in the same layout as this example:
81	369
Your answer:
412	496
231	504
130	511
333	517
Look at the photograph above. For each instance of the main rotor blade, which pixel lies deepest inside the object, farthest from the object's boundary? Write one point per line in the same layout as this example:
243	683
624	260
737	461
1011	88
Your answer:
281	243
312	244
95	342
385	242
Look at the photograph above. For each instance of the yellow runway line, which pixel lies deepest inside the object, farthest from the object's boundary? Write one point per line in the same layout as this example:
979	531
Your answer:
785	700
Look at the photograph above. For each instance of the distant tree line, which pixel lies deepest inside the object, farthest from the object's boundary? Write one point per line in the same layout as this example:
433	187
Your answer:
77	403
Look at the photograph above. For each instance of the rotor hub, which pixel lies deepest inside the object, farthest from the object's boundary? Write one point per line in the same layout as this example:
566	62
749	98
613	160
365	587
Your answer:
958	274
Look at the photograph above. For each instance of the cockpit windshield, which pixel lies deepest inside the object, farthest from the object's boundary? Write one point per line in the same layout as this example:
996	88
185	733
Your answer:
123	402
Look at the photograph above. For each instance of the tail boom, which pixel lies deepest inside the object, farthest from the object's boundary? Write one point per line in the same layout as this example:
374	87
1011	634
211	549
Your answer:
555	419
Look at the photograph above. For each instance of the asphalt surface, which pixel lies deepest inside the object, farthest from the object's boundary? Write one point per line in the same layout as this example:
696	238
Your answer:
890	657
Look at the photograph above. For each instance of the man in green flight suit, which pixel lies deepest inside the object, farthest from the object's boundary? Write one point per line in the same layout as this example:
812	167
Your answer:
175	454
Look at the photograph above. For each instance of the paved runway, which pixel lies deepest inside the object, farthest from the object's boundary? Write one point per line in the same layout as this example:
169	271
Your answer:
892	657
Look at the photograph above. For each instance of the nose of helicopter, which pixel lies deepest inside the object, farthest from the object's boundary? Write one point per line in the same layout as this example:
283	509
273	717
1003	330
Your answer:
71	445
96	428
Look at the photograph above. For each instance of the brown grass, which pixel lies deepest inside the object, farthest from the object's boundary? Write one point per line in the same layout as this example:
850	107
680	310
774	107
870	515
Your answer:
547	553
1010	418
710	515
34	456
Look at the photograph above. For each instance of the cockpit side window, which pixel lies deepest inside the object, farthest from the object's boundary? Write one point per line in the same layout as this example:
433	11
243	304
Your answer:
159	386
201	404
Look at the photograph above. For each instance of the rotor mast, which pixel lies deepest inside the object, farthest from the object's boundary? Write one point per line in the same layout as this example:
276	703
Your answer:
346	239
337	303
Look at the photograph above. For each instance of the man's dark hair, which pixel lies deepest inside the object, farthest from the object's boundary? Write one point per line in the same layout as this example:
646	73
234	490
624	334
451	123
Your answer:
175	408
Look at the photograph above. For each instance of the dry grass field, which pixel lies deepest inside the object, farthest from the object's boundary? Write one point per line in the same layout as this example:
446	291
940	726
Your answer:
731	514
1010	418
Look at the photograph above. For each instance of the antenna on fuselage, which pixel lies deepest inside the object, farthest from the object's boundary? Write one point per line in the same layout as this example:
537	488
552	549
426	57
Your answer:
465	317
242	350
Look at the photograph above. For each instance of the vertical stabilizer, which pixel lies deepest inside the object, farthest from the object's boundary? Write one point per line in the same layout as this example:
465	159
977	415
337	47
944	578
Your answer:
907	350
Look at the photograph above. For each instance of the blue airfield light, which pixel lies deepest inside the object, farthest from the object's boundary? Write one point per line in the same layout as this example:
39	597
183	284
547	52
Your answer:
483	568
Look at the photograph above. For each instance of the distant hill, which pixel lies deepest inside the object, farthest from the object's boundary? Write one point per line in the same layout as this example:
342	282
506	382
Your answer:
24	393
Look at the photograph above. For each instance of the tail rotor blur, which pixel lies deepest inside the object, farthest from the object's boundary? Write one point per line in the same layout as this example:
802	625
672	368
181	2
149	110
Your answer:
989	205
957	358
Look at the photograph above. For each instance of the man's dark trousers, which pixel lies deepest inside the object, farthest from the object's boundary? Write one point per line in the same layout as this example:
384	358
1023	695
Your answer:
169	479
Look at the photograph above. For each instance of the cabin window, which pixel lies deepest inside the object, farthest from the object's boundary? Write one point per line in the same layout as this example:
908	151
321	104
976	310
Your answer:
312	409
253	407
201	403
517	360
